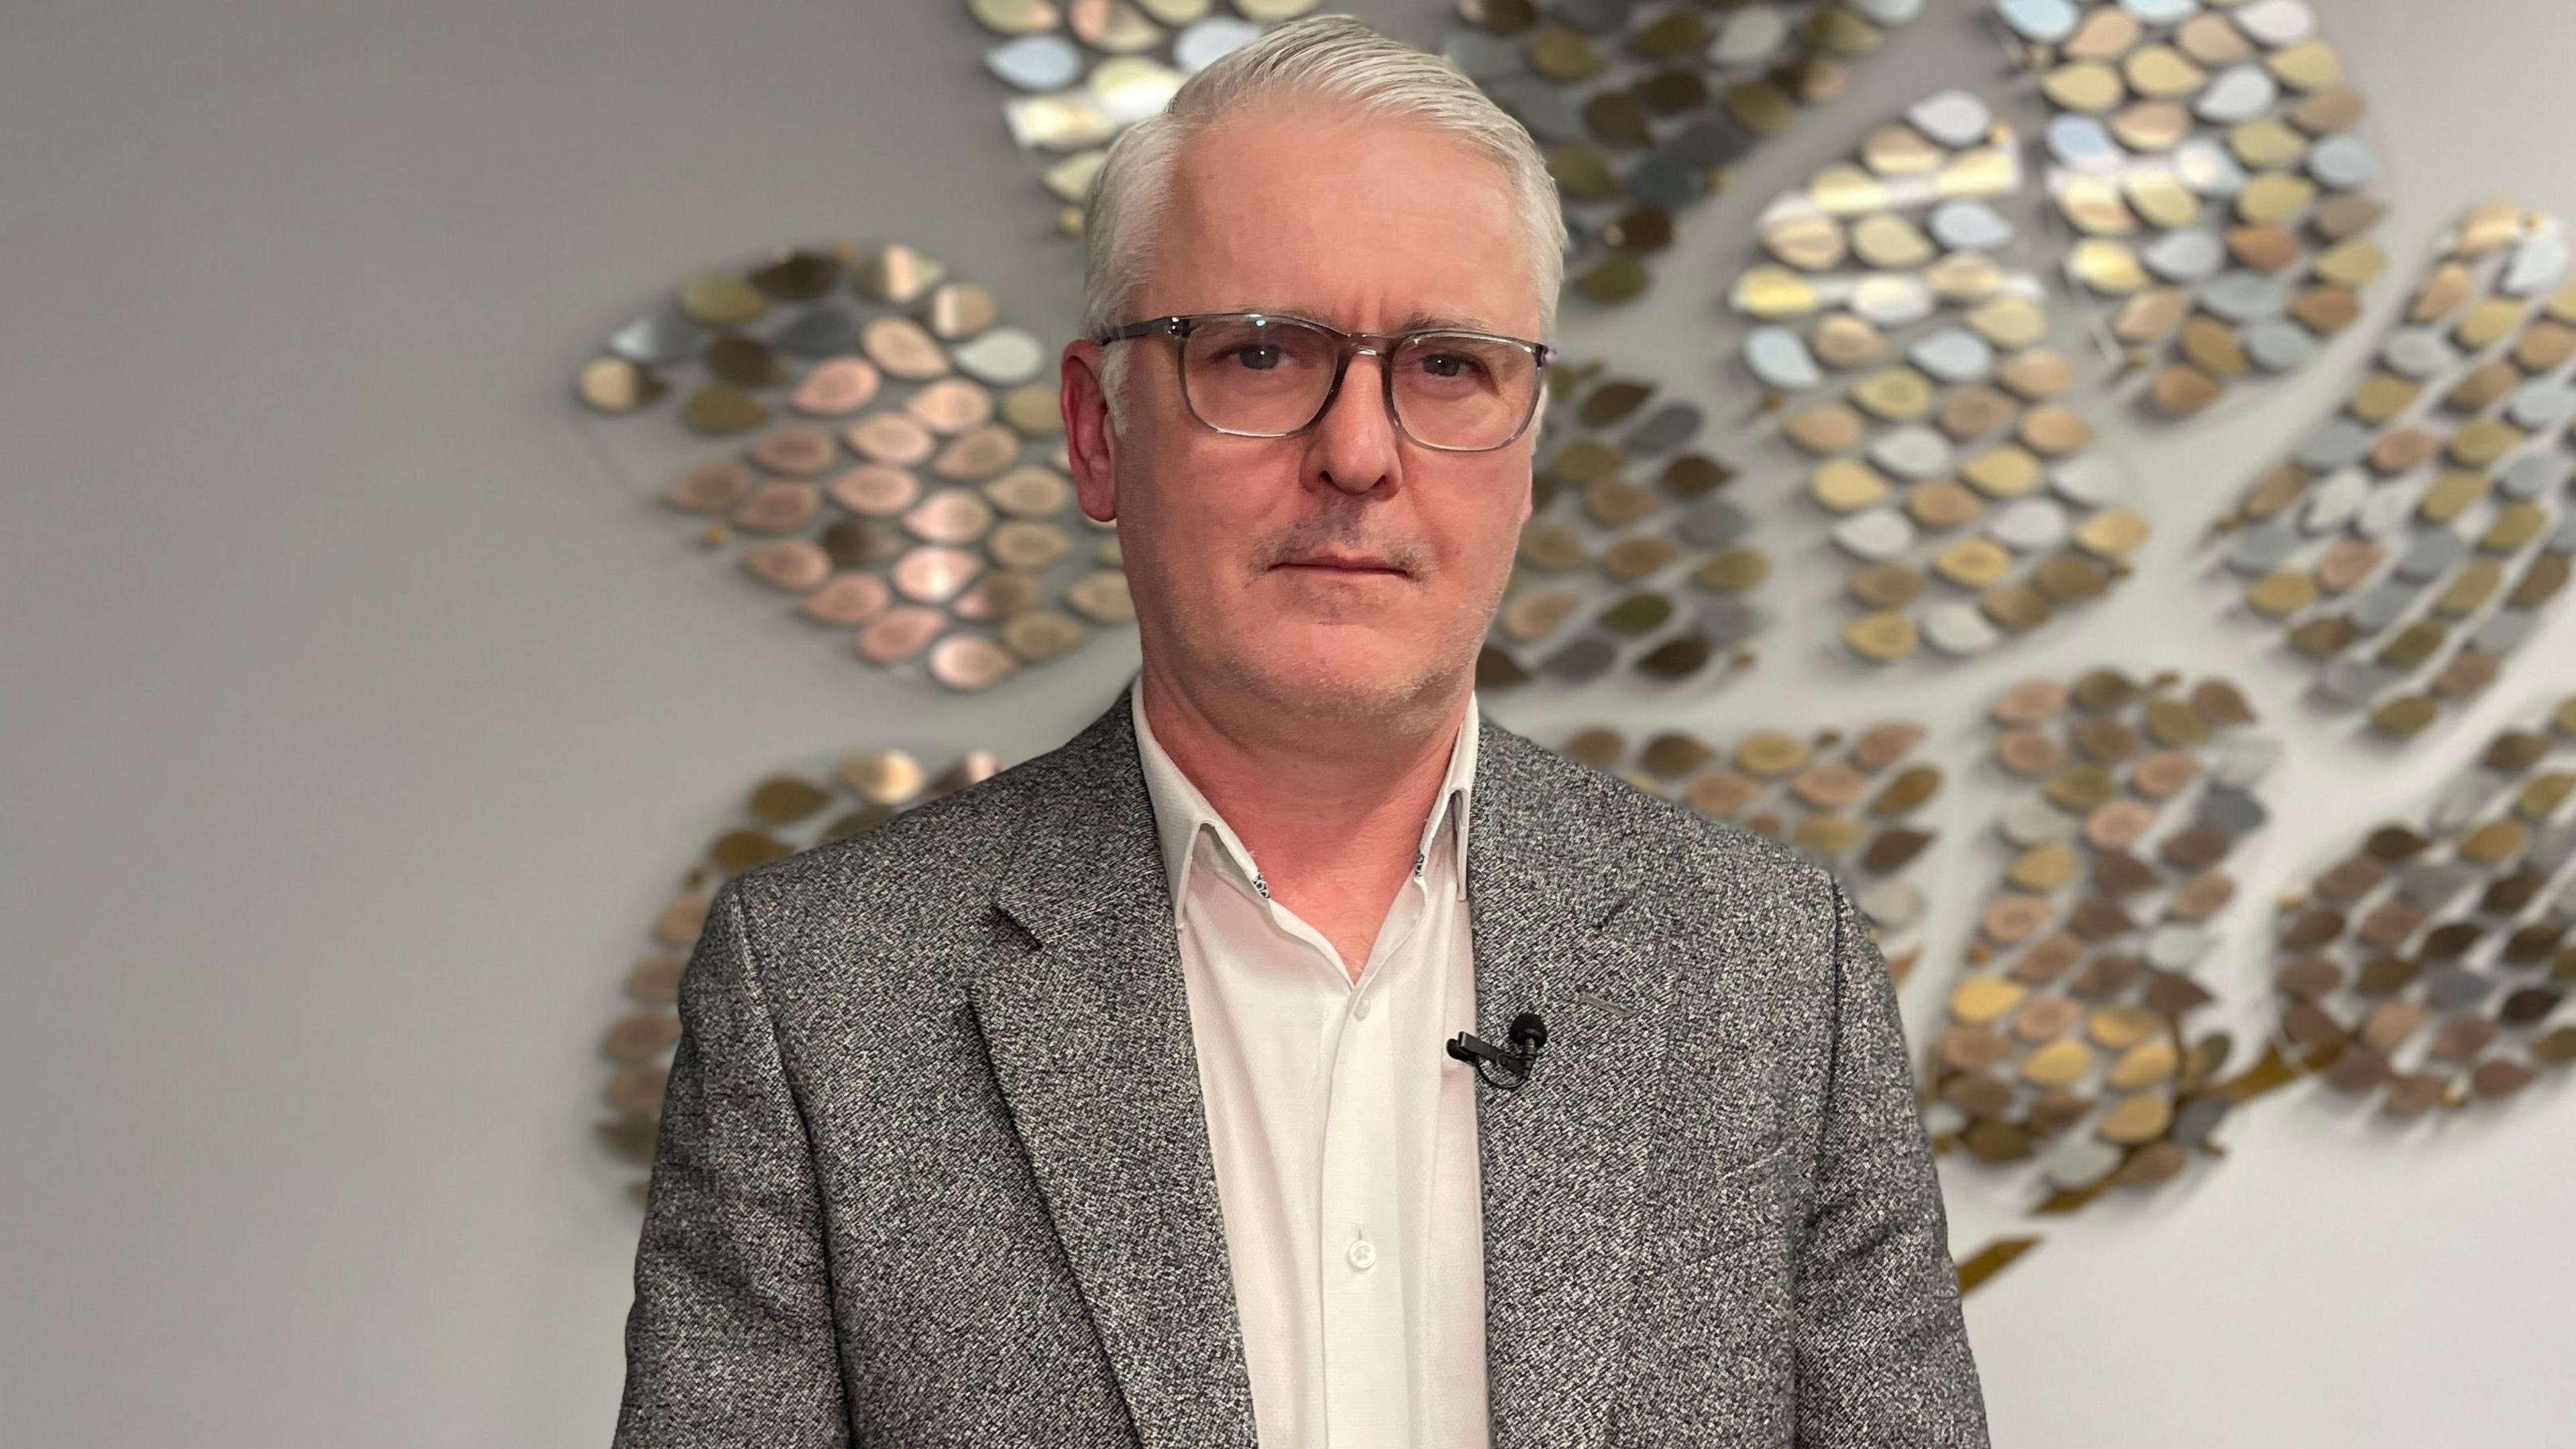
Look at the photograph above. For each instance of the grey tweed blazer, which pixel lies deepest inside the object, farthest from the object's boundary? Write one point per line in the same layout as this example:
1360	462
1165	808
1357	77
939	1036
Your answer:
933	1167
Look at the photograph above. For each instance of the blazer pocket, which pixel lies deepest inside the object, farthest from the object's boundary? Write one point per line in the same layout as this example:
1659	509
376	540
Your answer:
1765	1154
1745	1206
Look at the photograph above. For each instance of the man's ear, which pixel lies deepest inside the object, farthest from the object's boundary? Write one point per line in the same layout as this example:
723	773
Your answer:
1090	443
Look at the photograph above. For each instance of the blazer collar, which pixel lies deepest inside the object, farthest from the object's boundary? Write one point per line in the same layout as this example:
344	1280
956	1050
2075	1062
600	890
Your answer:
1089	1035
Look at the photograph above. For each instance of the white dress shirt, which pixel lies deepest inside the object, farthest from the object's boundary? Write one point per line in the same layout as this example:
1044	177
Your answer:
1344	1134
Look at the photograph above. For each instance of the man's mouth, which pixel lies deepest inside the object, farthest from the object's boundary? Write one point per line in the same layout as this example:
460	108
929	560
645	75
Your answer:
1342	563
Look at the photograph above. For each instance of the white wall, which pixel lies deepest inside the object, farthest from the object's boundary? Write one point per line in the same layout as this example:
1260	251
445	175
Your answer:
355	717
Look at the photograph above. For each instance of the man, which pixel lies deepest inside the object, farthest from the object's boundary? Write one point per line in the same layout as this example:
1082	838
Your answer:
1111	1101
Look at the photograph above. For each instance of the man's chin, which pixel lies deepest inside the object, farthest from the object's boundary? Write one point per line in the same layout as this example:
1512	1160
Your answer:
1341	668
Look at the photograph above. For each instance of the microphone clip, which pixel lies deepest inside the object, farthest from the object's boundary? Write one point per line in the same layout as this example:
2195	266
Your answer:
1528	1034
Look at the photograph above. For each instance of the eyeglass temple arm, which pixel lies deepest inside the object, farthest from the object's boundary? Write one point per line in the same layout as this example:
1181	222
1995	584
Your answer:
1145	328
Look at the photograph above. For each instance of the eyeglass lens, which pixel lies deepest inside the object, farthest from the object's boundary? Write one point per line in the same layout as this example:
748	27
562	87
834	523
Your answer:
1269	377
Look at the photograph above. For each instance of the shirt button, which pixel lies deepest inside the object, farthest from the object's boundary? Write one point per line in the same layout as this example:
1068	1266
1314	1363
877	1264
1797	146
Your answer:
1362	1253
1360	1005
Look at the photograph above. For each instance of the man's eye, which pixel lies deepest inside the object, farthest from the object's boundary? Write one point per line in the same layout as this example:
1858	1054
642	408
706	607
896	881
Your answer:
1450	364
1260	359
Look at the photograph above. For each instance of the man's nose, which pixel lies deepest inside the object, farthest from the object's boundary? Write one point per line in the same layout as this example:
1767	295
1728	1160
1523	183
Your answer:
1354	447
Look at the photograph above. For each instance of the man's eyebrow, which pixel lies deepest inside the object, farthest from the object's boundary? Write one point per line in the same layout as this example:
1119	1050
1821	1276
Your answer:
1437	321
1414	322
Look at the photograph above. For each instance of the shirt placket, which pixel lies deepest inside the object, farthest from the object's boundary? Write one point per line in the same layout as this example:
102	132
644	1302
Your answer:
1361	1252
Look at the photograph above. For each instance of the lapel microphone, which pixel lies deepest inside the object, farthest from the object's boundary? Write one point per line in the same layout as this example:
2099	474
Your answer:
1528	1034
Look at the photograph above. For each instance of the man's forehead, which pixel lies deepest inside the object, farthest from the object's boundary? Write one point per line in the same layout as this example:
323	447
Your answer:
1378	224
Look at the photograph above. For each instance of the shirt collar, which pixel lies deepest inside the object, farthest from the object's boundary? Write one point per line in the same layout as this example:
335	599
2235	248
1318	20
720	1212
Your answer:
1182	814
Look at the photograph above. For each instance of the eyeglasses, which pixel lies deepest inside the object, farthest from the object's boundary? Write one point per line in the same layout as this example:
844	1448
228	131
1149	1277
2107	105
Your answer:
1259	375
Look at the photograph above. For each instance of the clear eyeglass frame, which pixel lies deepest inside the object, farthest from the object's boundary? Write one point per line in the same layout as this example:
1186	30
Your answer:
1381	345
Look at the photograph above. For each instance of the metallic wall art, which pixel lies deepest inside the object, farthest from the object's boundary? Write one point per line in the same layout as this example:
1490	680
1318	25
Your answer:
865	435
2410	541
1085	70
2430	967
2069	1039
1632	550
2209	161
1858	806
1913	365
891	456
1641	108
785	813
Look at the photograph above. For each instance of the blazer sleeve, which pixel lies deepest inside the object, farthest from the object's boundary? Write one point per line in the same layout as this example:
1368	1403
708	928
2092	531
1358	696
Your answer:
1882	1351
730	1340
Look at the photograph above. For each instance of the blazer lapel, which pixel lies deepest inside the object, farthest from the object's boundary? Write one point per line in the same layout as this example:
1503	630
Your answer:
1562	1158
1089	1036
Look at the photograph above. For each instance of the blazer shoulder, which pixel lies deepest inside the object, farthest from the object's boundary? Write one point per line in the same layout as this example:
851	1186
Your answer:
1673	847
1750	918
912	870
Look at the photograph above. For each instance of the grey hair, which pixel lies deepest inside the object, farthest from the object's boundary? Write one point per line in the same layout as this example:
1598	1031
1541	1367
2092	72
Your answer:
1332	58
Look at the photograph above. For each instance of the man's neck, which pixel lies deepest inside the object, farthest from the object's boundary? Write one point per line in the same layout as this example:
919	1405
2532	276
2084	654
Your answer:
1322	807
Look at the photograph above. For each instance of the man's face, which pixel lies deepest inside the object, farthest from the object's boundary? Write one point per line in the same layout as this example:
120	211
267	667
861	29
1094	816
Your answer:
1347	570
